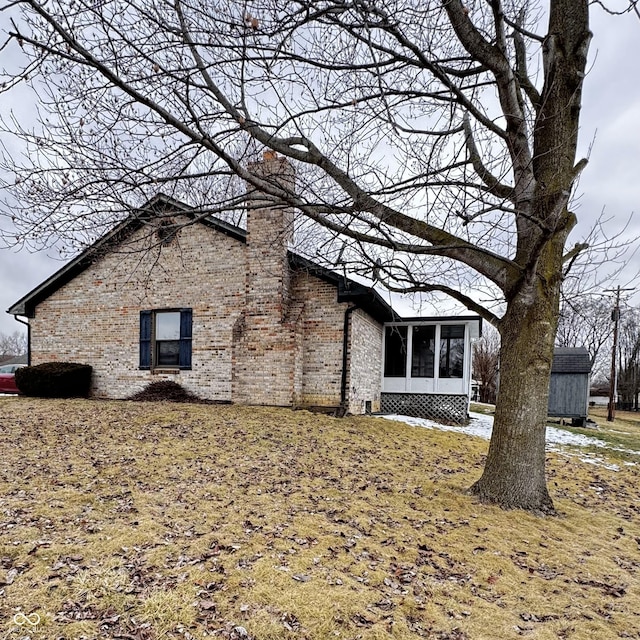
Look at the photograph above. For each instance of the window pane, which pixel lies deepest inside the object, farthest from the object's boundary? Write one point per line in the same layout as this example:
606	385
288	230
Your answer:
168	325
422	352
452	331
451	357
456	357
168	352
395	352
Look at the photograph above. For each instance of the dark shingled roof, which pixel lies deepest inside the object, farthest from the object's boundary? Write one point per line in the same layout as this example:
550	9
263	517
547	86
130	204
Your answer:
348	290
571	360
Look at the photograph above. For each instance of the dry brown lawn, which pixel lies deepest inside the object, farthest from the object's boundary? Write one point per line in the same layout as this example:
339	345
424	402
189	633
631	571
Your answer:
154	520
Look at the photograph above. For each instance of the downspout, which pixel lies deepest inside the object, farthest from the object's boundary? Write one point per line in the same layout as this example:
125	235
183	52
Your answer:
26	324
345	355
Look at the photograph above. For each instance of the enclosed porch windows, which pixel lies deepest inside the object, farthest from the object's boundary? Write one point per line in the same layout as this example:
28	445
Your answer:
423	350
428	356
423	339
395	352
451	351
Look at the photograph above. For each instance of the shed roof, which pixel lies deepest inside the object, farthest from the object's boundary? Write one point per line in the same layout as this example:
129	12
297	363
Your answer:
571	360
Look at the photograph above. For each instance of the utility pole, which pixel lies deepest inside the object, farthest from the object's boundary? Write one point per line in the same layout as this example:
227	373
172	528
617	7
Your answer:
615	316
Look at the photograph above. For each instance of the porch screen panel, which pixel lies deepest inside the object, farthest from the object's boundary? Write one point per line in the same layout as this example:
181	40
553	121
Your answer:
423	352
395	352
452	351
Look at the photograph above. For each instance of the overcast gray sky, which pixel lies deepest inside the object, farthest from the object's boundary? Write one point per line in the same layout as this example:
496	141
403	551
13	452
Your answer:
611	182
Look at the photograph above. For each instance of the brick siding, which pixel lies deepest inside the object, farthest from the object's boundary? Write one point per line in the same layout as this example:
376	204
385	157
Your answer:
262	332
265	347
293	357
365	363
321	331
95	318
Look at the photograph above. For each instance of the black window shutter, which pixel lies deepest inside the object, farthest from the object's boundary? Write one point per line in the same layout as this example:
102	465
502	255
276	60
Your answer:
185	338
145	339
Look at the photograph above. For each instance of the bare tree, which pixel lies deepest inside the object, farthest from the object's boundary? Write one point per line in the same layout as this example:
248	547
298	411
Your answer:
588	300
12	345
629	360
434	140
486	359
586	322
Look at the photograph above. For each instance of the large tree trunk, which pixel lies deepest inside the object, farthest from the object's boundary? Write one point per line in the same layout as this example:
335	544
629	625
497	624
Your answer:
514	474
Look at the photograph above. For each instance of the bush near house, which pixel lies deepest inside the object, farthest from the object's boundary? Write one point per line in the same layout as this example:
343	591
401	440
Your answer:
55	380
166	390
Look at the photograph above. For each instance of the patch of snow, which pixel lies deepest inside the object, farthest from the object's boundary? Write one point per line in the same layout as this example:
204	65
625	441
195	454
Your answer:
481	425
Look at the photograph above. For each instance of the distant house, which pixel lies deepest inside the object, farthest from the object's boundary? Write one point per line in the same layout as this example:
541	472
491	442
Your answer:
234	315
569	387
14	360
599	396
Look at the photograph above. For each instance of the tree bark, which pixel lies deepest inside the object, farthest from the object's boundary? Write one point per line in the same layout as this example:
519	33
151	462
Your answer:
514	474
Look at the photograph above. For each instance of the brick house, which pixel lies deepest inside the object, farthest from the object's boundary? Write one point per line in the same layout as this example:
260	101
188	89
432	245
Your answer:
232	315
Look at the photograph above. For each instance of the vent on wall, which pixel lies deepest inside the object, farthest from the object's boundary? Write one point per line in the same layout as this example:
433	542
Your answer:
167	231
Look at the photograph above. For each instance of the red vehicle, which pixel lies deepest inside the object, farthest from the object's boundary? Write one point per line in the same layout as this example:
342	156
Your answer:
8	378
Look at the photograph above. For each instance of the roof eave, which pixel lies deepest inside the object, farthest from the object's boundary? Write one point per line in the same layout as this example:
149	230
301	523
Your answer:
27	304
365	298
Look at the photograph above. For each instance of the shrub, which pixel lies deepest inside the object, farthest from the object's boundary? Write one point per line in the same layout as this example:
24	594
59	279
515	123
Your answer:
55	380
165	390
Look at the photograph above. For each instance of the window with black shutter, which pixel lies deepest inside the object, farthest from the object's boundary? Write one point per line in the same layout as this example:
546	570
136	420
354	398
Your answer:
165	339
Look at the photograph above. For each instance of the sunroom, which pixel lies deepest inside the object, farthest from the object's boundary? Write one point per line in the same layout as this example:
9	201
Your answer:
427	366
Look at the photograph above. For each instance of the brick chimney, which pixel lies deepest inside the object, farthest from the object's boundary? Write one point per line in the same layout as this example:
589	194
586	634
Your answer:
269	235
264	339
